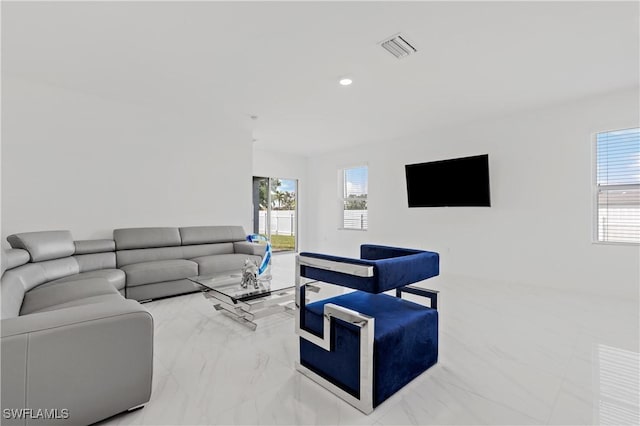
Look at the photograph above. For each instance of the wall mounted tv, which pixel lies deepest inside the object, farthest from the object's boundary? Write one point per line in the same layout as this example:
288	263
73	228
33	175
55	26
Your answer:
459	182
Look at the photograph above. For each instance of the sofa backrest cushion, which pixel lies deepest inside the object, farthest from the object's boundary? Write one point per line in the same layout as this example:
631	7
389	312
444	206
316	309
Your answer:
139	238
189	252
95	261
17	281
211	234
127	257
12	258
94	246
44	245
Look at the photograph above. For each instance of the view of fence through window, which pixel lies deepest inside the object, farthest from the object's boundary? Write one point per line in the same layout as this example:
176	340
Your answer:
282	222
355	187
276	215
618	186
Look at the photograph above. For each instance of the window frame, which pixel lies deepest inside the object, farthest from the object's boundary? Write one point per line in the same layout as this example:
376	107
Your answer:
595	189
342	199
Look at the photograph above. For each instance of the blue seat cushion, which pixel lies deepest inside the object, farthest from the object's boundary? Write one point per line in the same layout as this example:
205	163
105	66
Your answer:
405	343
393	267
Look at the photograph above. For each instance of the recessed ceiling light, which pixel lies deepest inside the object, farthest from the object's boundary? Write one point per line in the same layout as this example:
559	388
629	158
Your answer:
345	81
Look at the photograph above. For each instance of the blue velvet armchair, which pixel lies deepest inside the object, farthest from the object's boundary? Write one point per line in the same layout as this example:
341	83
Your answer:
364	345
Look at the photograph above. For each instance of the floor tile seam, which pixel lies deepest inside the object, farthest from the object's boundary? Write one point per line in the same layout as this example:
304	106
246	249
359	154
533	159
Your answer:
518	363
500	403
564	378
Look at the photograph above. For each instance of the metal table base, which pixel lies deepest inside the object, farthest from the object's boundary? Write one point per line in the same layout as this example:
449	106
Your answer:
245	312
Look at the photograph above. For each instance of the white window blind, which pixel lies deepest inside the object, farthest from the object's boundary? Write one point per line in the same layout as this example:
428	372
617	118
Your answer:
353	202
618	186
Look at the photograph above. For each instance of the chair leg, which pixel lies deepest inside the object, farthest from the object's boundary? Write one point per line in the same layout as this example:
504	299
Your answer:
137	407
366	408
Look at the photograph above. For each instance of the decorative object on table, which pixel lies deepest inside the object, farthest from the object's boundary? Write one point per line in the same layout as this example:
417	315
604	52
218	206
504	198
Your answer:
249	274
380	342
265	266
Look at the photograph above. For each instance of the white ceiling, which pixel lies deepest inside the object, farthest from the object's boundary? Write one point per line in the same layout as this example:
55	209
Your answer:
281	61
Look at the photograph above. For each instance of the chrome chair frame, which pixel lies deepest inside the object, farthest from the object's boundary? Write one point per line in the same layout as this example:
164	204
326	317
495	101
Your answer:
366	324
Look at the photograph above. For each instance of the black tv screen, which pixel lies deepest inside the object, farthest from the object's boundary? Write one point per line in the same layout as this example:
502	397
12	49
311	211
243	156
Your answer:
449	183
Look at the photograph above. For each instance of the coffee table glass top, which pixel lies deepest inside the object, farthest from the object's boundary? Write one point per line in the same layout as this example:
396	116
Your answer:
229	286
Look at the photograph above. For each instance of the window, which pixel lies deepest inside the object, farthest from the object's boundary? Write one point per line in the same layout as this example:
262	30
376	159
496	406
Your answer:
353	199
618	186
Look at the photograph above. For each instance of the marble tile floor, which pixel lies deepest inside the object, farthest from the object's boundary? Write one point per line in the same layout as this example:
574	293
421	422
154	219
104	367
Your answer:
509	355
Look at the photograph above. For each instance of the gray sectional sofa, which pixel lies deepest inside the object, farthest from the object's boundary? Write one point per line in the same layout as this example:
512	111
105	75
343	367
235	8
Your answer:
158	261
70	339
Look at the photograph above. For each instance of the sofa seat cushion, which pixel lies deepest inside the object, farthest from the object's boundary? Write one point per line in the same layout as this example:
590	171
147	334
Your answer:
45	297
159	270
115	276
105	298
209	265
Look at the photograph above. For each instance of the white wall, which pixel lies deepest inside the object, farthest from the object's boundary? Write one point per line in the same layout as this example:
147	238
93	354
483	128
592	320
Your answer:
88	164
539	228
286	166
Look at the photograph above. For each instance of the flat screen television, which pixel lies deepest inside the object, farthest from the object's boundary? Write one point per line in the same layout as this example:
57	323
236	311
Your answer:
459	182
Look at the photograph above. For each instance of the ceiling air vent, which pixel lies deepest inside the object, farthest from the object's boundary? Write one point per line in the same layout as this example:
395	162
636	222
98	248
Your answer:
398	46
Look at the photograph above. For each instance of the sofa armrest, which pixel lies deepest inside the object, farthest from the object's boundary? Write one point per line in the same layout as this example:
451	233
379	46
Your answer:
245	247
69	317
91	361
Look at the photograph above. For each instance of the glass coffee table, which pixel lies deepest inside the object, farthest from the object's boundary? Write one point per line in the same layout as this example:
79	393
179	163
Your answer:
245	305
